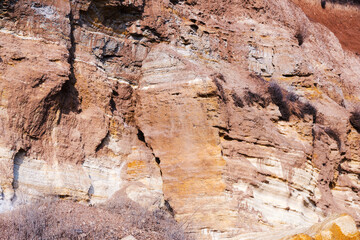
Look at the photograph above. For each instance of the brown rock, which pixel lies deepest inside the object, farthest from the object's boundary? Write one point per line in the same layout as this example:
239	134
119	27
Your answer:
336	227
233	116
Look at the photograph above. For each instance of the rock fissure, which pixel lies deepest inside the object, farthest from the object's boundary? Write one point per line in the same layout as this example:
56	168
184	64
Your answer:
72	47
68	95
91	190
103	142
18	160
141	137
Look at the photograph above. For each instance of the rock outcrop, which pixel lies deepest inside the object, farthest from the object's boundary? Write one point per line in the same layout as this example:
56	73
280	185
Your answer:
233	115
335	227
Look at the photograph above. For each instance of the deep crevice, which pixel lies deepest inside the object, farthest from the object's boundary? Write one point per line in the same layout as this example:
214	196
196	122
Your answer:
72	48
18	160
68	95
91	190
112	105
103	142
169	208
141	136
323	4
300	37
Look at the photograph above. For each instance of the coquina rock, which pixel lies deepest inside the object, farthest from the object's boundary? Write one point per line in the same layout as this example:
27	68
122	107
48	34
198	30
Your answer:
239	117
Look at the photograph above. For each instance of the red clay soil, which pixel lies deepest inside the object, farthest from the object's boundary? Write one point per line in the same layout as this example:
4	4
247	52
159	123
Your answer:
342	20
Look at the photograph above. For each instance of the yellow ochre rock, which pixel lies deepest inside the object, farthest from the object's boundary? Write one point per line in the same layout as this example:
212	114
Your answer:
337	227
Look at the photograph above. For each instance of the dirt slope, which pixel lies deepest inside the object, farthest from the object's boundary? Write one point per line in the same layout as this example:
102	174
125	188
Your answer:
341	19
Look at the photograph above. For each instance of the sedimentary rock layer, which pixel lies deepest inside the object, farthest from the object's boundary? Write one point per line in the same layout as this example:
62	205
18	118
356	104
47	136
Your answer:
234	116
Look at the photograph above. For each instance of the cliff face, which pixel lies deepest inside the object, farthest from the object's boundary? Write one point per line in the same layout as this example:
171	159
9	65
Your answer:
232	114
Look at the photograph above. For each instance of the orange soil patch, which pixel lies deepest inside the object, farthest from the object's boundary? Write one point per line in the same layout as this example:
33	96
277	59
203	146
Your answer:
342	20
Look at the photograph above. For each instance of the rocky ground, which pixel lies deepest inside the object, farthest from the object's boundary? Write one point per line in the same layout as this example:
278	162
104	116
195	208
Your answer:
240	118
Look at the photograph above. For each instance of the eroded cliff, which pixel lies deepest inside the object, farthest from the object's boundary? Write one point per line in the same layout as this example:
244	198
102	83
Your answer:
233	115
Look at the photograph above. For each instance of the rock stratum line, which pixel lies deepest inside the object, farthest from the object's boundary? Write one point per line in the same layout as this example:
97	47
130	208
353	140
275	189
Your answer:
241	118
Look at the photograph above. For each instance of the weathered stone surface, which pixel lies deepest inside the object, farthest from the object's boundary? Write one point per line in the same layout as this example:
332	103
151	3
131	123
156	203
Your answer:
214	110
336	227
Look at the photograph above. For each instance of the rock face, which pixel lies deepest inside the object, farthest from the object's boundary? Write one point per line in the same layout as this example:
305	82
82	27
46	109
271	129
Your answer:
234	115
335	227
